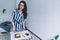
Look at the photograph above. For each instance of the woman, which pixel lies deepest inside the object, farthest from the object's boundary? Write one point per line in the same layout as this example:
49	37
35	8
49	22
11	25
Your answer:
18	17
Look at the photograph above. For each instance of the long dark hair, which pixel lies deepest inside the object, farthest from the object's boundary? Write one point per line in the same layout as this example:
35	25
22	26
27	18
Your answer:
24	10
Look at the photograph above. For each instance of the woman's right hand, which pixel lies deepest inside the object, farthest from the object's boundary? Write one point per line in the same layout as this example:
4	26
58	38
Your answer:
14	30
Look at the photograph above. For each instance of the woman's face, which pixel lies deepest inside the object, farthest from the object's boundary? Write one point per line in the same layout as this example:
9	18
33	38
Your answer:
21	6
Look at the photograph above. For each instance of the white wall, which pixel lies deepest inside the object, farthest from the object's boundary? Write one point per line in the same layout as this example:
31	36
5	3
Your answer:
44	18
17	2
9	5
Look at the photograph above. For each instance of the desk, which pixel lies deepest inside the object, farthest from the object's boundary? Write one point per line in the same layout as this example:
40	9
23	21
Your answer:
23	35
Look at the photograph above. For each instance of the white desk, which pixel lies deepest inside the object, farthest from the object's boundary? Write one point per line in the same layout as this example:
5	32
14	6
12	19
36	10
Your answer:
23	35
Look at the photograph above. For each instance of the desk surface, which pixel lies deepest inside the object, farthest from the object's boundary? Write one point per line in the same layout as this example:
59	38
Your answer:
22	35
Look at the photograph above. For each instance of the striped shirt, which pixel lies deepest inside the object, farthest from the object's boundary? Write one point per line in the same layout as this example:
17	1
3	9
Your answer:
17	19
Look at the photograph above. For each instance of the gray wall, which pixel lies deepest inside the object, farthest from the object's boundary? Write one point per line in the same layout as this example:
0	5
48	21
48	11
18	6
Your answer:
9	5
44	18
